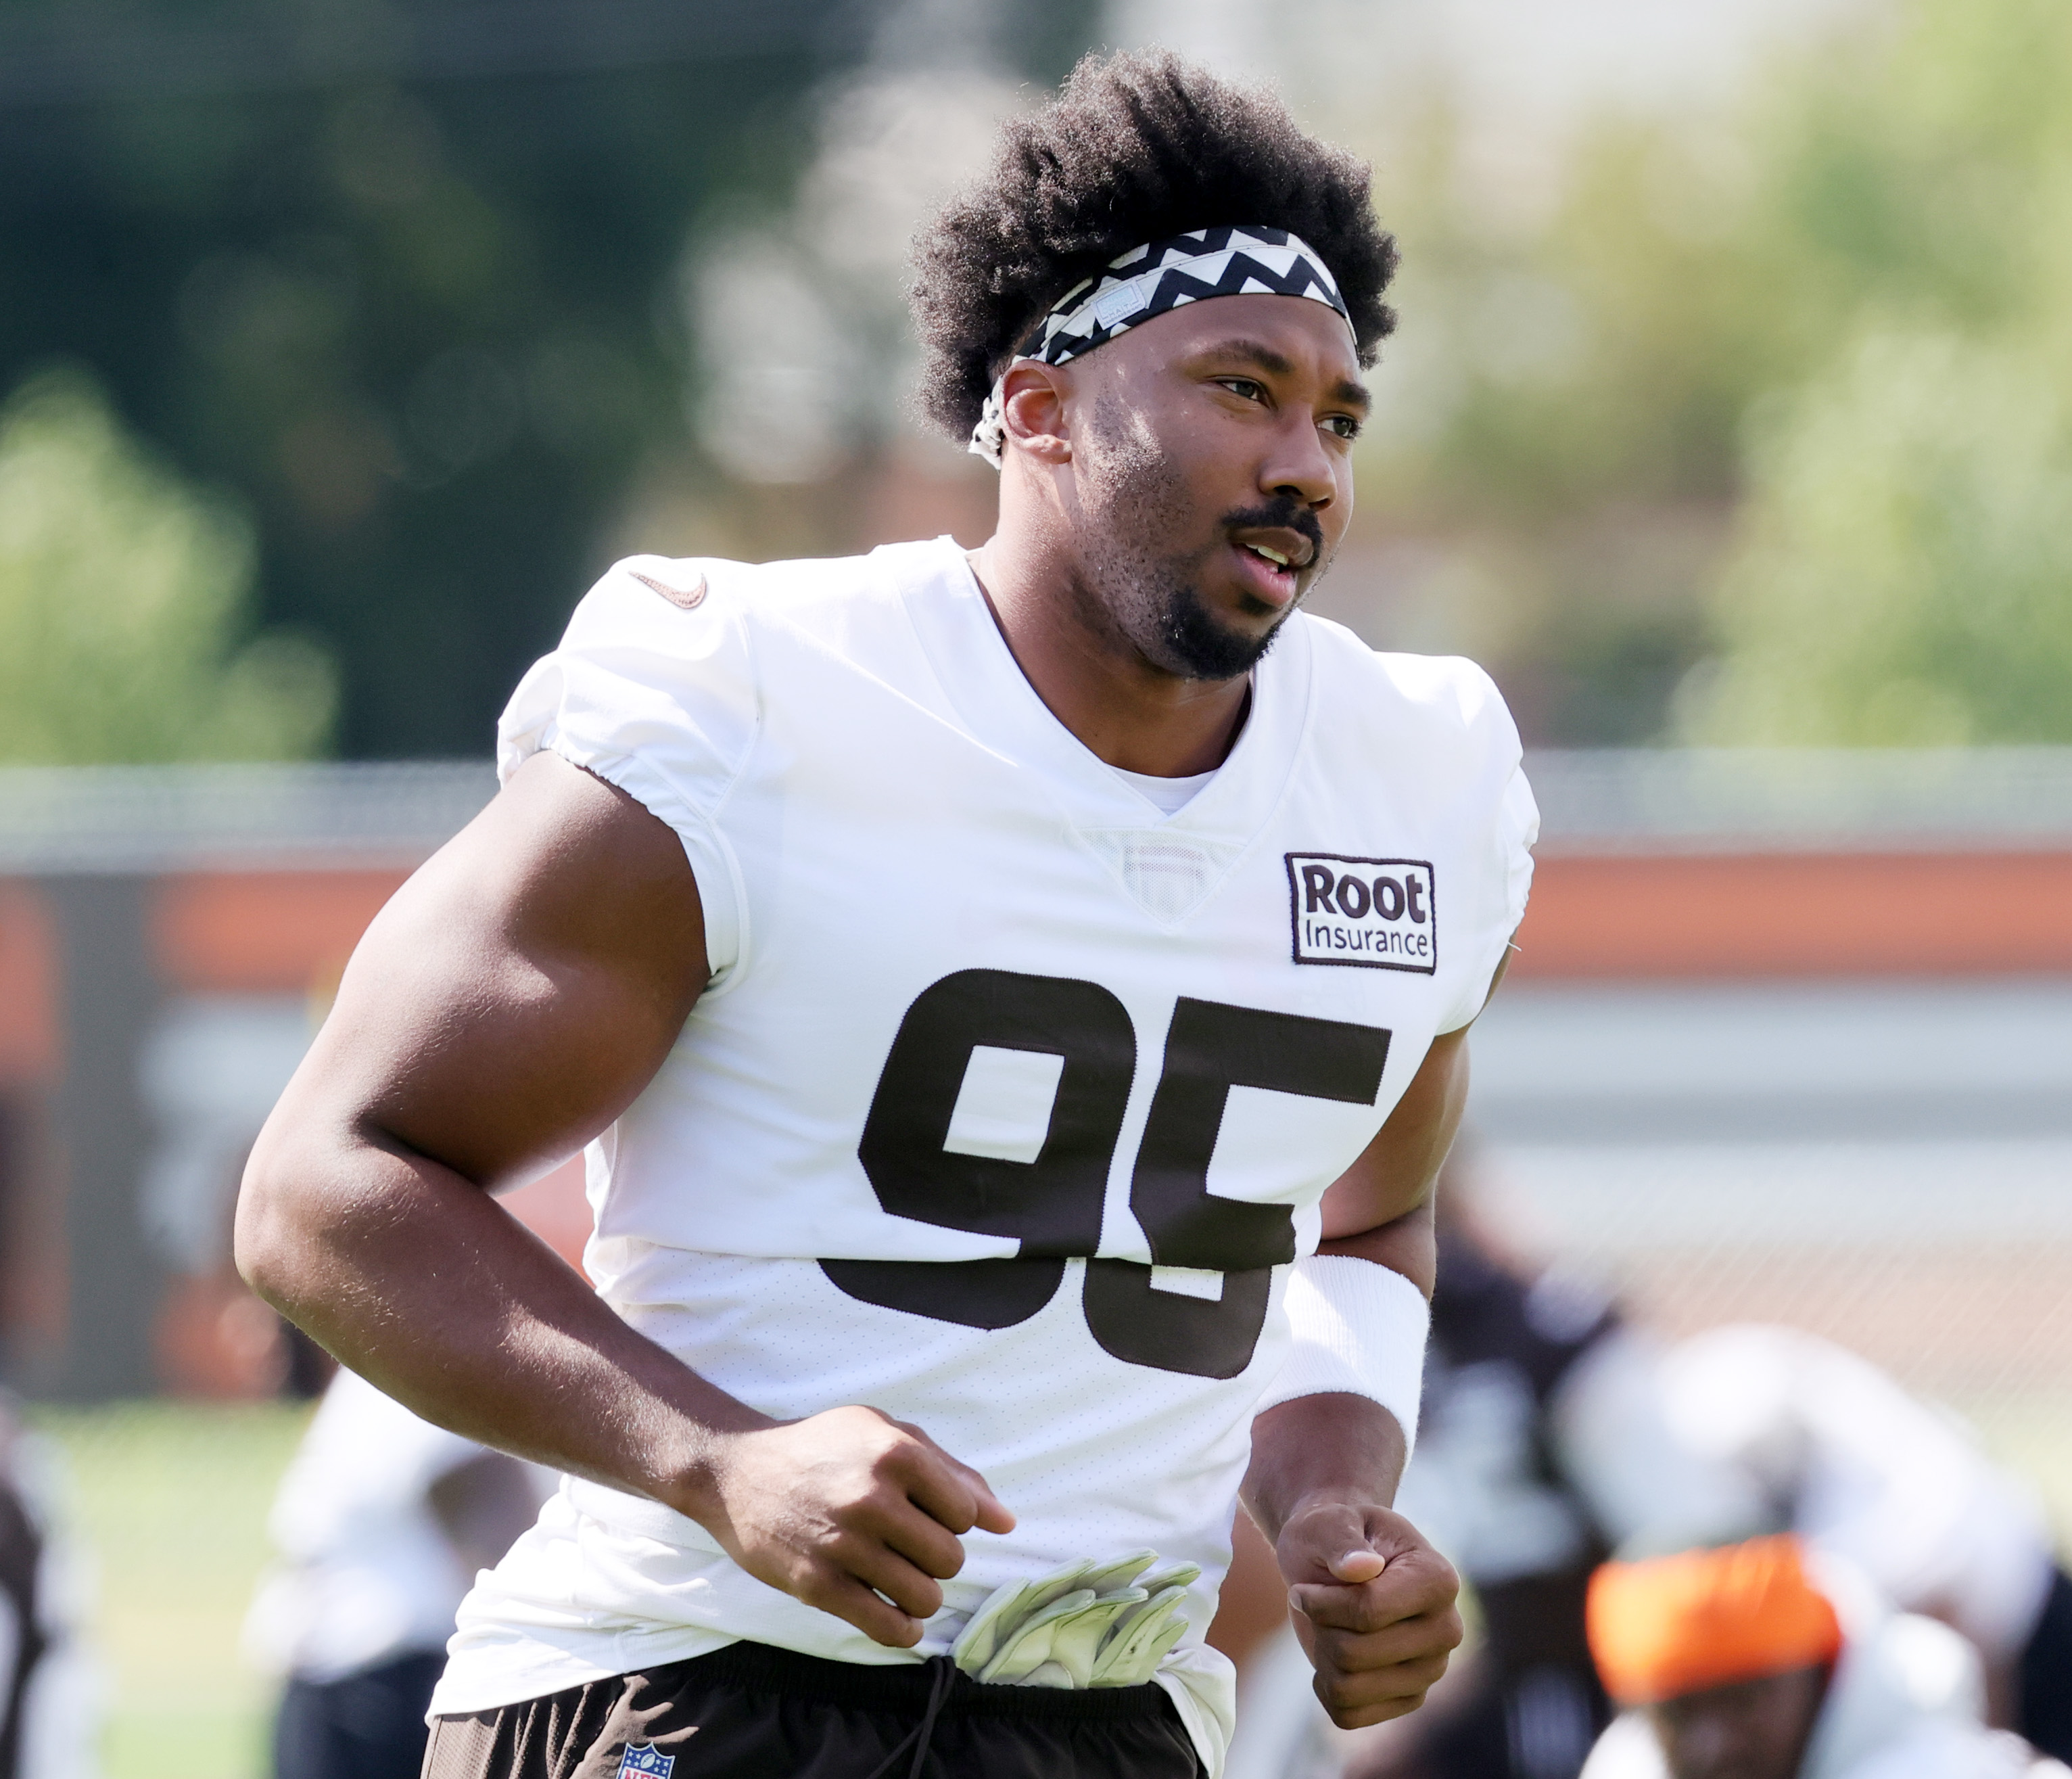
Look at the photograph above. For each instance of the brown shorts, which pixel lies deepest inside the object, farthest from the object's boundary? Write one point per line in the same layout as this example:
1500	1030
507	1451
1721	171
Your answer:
749	1712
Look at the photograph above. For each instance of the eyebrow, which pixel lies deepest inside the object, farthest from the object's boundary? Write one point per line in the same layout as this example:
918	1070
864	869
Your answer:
1253	351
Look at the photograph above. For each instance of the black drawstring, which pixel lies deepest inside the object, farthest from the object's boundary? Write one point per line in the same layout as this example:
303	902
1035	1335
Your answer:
943	1674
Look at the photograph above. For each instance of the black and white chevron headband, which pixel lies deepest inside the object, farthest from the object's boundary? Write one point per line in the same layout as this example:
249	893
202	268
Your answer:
1147	282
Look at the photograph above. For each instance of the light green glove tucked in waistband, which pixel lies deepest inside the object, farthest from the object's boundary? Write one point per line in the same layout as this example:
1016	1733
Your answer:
1086	1624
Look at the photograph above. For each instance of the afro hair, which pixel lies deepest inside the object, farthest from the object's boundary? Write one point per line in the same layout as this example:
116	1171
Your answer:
1138	147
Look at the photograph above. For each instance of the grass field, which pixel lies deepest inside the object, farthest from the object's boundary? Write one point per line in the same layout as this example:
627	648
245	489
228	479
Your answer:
168	1501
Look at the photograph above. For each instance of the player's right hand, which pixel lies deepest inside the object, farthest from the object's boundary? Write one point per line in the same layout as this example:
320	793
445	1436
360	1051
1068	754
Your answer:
852	1512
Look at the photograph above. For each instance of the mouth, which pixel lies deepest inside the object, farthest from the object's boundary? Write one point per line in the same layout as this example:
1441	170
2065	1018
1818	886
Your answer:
1271	571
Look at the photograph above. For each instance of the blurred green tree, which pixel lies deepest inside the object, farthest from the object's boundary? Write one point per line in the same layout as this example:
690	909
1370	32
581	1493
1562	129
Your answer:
1902	573
1766	435
405	275
1902	566
125	603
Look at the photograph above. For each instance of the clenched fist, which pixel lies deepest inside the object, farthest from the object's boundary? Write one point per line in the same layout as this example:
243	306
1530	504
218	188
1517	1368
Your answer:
852	1512
1373	1604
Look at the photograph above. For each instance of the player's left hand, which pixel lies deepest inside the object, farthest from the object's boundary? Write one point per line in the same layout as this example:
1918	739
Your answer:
1373	1604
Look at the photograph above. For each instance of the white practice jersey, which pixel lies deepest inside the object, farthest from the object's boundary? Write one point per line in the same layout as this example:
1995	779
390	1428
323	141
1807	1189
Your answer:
1013	1098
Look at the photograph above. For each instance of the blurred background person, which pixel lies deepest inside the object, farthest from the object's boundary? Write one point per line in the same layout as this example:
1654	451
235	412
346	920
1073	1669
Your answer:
382	1522
1554	1432
1840	1454
1541	1447
380	1525
50	1708
1735	1662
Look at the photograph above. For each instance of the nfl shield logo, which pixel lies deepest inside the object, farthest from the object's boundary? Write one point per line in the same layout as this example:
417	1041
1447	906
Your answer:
642	1762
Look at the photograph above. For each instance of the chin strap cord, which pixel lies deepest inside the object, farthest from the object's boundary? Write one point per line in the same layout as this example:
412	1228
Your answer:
942	1676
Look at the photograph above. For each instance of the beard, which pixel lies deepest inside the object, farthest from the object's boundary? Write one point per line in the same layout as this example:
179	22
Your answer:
1198	647
1134	579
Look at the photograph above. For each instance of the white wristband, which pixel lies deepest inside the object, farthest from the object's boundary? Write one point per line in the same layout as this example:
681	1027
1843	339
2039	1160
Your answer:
1358	1327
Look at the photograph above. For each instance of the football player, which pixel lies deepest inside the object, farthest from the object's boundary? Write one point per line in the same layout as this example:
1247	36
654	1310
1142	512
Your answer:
1756	1661
1840	1453
1014	1002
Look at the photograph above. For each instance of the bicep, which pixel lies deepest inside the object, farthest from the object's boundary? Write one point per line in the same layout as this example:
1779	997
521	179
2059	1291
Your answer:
1392	1181
517	993
1380	1208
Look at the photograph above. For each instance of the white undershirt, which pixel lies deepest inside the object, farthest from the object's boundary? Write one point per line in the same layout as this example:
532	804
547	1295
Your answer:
1172	794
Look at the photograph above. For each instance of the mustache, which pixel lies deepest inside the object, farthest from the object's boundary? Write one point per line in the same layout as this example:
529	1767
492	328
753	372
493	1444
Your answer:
1284	512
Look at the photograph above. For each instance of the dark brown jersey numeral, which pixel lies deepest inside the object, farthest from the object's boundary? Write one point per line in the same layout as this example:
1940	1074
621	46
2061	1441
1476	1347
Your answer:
1052	1205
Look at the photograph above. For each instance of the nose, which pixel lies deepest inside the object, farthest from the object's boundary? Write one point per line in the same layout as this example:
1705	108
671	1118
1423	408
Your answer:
1299	466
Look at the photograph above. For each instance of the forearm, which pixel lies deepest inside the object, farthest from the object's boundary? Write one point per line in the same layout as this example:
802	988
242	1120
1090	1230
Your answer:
1336	1448
1371	1602
417	1278
1336	1442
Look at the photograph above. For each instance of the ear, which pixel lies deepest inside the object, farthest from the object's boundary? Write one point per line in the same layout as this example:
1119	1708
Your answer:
1033	405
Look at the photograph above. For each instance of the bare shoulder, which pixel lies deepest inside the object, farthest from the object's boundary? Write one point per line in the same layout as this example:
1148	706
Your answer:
561	859
517	995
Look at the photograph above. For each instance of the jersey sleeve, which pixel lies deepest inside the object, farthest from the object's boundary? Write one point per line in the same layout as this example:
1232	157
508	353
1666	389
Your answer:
1512	824
653	690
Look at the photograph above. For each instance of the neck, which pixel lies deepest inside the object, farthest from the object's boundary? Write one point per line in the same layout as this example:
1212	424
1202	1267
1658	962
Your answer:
1127	712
